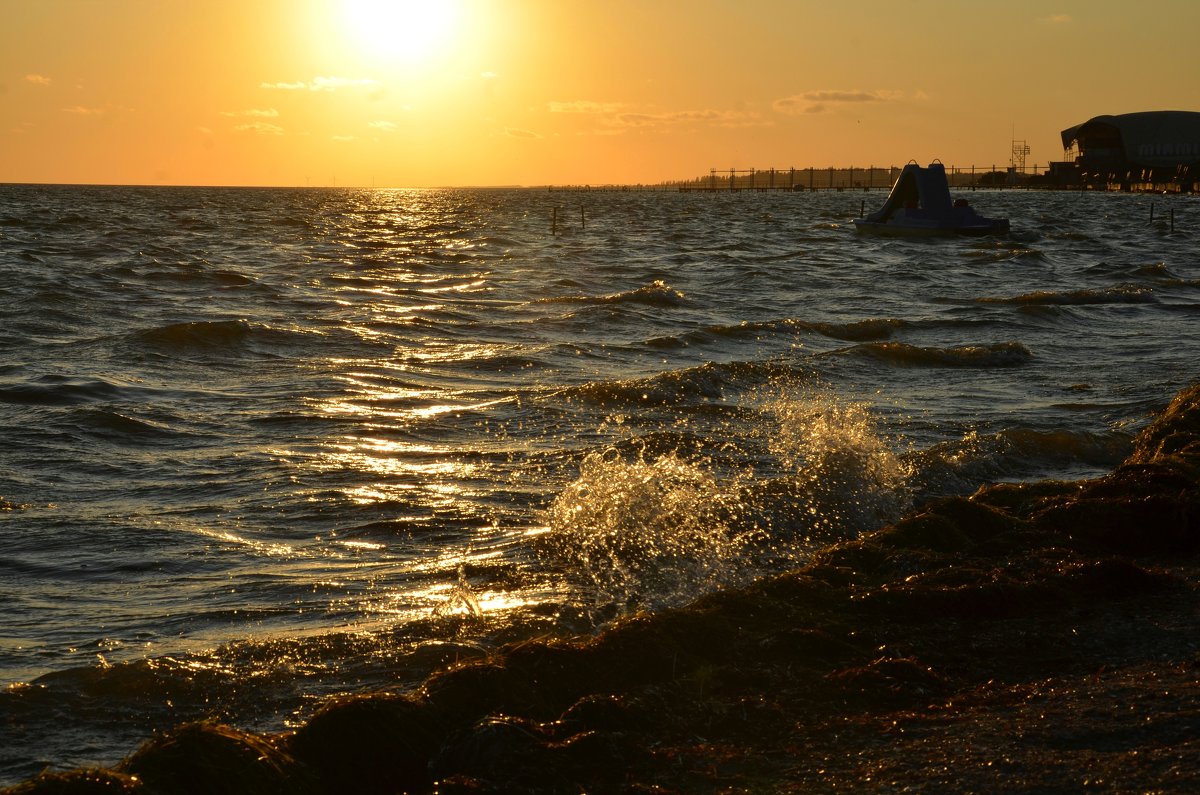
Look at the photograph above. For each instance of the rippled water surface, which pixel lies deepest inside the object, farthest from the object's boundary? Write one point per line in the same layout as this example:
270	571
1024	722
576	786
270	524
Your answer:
261	446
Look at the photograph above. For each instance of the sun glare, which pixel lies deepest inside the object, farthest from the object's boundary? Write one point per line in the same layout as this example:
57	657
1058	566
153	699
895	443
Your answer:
402	30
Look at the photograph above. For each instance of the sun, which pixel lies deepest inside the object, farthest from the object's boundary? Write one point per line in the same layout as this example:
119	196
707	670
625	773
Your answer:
401	30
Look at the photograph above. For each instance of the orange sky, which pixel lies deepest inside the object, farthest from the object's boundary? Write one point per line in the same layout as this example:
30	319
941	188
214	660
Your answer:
495	92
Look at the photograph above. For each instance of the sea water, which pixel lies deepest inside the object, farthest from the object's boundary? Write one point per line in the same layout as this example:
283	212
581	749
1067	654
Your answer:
262	446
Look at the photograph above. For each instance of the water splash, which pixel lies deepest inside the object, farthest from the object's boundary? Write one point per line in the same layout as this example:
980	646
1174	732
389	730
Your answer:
641	530
461	600
841	466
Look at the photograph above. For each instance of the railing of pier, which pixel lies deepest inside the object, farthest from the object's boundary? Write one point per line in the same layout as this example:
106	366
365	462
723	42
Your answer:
870	177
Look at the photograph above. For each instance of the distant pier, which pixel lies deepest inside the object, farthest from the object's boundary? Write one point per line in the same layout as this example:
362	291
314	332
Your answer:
1052	176
836	178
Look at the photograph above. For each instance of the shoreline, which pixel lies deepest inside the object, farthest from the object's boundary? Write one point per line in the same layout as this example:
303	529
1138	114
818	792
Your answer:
1030	637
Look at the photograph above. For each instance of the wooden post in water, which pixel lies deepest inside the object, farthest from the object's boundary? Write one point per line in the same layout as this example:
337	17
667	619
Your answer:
554	222
582	218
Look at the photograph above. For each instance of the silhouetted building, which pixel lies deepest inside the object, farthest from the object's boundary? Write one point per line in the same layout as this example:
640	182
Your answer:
1159	147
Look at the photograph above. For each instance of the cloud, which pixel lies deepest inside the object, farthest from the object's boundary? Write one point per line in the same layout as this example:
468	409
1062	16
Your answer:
820	101
79	110
38	80
488	75
322	84
616	114
615	118
583	106
1057	19
514	132
254	113
707	117
260	127
386	126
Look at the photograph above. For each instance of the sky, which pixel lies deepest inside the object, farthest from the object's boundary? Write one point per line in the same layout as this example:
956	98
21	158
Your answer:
418	93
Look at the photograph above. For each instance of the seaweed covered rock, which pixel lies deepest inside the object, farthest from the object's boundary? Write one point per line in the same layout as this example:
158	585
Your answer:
507	754
211	759
374	743
80	782
1174	433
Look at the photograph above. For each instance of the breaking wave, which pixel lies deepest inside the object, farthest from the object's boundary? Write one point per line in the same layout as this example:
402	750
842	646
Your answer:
646	530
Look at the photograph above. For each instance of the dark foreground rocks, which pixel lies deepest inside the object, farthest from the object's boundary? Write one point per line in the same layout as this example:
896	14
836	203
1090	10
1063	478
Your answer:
1031	638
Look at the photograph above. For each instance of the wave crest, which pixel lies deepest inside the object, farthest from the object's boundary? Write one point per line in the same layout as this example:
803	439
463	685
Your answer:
705	382
210	334
657	293
900	354
1118	294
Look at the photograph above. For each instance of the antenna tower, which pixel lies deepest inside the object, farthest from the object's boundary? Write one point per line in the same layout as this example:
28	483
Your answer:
1020	150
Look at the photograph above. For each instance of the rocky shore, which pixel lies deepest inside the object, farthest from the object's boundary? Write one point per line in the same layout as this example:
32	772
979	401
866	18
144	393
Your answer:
1036	637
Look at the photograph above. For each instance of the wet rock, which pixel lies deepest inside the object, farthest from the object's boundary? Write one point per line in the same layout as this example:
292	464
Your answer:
1114	578
508	754
465	694
808	646
378	743
889	680
80	782
1022	500
554	674
1152	525
500	749
603	713
210	759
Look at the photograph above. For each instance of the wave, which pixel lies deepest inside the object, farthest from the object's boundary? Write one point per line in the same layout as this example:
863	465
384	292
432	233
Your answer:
708	381
223	278
1022	453
113	424
215	334
857	331
654	524
900	354
1006	253
1104	450
59	391
657	293
1119	294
